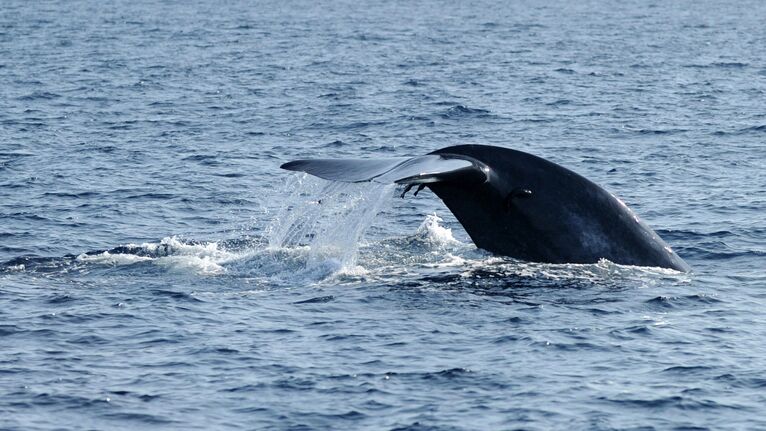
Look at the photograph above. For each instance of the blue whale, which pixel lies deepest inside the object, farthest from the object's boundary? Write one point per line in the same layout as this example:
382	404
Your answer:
516	204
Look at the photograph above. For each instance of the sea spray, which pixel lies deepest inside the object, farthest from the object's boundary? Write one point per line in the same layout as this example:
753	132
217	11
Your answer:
433	233
327	218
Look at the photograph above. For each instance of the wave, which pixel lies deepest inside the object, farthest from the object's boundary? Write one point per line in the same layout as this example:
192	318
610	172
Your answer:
756	129
462	111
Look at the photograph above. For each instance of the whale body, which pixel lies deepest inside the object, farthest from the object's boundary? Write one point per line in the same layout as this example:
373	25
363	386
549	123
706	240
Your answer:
516	204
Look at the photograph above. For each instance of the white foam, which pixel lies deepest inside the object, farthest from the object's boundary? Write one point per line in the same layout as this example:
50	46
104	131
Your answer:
170	253
433	233
112	259
197	264
171	246
602	270
450	260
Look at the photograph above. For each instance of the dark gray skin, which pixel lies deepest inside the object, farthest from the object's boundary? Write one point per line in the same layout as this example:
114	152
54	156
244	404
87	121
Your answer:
515	204
535	210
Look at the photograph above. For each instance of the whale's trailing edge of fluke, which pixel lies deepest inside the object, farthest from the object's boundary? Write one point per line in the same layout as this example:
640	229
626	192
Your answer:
403	170
516	204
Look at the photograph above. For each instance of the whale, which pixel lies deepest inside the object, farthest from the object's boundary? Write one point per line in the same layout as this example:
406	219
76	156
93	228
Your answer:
516	204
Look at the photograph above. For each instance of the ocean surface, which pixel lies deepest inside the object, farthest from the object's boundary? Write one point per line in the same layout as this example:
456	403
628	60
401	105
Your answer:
159	271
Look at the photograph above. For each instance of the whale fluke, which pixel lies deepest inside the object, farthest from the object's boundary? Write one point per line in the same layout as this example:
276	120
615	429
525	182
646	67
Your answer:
516	204
413	170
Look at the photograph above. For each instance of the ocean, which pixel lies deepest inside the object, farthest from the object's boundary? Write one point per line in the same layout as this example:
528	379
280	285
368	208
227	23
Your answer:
158	270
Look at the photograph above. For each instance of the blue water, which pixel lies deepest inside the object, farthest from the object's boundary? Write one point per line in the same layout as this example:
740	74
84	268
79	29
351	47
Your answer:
160	271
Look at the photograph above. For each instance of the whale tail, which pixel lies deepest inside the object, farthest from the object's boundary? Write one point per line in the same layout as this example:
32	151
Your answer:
515	204
422	170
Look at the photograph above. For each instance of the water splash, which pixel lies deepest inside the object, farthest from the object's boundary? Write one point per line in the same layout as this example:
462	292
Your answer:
316	234
433	233
329	219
